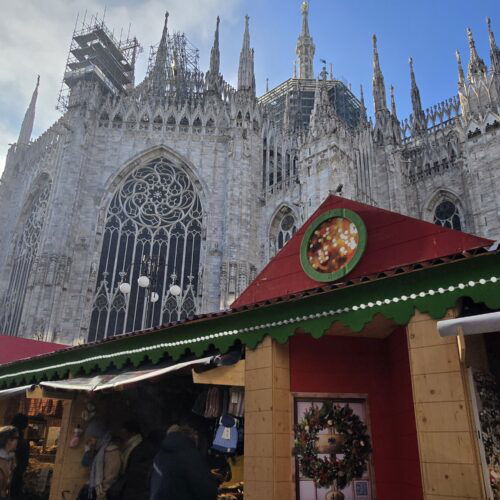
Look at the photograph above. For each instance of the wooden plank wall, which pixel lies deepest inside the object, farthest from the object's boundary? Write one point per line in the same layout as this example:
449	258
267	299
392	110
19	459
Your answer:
447	447
69	475
268	466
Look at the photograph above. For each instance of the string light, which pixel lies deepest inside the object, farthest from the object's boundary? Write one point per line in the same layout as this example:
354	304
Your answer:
331	312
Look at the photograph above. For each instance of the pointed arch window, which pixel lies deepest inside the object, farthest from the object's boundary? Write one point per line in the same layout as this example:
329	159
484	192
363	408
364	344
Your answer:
156	213
210	126
197	126
171	123
117	121
24	254
104	120
447	214
283	227
184	125
158	123
144	123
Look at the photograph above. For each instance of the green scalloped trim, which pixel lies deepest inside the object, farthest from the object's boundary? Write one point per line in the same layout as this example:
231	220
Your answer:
315	315
330	214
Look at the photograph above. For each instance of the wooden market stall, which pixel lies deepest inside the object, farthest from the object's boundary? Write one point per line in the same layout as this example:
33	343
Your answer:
349	390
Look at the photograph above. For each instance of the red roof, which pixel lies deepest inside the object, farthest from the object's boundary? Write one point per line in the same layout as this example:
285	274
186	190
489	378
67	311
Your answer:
16	348
393	240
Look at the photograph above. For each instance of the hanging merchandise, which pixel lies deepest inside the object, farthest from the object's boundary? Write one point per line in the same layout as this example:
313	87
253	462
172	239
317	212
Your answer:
200	403
236	402
75	439
226	437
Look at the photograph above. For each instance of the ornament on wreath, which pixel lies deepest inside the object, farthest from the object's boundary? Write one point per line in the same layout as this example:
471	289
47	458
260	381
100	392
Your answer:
348	437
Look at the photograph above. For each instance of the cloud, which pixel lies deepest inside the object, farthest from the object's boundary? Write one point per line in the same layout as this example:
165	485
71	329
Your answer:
35	38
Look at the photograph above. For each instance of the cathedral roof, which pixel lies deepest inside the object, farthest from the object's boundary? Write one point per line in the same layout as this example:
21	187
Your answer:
393	242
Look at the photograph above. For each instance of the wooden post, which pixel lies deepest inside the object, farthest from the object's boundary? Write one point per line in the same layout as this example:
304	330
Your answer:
269	463
69	475
3	409
448	450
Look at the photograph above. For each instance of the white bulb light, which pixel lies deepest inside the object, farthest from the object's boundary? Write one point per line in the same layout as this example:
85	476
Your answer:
175	290
125	288
143	281
154	297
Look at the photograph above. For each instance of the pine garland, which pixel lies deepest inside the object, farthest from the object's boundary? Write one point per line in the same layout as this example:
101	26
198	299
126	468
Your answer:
355	446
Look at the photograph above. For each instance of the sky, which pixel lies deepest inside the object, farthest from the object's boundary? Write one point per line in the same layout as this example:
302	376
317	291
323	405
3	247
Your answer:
35	37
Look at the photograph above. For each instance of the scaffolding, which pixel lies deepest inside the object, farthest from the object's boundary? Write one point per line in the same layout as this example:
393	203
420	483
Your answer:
301	102
178	74
95	55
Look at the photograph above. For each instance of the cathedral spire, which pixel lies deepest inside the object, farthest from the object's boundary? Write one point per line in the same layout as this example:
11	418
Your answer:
246	76
393	104
419	122
476	64
29	118
322	117
305	47
213	74
158	75
494	52
461	76
362	107
379	96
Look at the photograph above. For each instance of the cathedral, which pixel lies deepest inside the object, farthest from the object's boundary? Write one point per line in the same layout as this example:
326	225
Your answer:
147	203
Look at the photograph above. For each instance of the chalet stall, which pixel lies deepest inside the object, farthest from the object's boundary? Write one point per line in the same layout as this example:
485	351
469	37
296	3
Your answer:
363	362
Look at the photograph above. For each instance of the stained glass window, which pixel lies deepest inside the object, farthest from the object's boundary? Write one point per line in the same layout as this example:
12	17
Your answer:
155	214
447	214
25	251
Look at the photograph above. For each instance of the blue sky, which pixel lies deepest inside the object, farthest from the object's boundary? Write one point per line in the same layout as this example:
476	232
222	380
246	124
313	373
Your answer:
35	36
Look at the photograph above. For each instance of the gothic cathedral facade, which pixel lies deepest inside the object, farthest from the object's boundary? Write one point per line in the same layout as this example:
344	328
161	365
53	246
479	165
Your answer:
195	185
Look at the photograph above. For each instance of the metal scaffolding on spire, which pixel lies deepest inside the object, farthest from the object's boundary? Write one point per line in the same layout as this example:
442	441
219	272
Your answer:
95	55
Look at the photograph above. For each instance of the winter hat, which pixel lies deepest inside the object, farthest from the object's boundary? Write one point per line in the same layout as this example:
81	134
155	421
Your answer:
95	429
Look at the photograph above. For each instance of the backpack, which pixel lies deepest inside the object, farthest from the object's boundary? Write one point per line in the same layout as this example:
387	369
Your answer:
226	437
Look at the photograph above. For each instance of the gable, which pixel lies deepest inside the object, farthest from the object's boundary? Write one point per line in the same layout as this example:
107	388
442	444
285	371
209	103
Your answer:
392	240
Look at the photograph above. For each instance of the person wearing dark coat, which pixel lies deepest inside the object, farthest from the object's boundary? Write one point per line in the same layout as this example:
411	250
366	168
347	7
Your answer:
20	422
137	462
180	471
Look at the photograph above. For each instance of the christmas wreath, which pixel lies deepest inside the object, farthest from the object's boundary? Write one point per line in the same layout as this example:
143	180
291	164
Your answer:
348	438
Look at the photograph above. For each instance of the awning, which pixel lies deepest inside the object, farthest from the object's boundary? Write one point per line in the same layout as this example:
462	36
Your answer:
16	391
481	323
103	382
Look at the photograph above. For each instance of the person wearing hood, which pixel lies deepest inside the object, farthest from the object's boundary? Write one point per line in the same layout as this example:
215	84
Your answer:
9	436
180	471
104	458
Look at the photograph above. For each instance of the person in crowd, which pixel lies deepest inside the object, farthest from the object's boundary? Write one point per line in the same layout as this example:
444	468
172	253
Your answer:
137	462
20	422
9	436
180	471
106	462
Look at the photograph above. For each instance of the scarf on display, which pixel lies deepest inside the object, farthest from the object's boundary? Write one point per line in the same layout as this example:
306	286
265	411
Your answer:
97	470
130	445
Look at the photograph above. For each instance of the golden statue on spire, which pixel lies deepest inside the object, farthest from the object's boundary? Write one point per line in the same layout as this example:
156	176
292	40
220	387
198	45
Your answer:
305	6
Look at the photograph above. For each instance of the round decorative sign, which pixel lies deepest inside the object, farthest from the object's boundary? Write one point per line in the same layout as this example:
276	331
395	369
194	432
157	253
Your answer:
333	244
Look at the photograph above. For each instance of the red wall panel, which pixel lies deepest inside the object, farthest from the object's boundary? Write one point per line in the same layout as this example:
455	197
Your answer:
379	368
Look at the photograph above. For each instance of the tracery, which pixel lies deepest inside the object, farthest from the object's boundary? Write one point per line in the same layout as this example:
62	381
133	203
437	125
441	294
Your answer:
24	254
157	214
